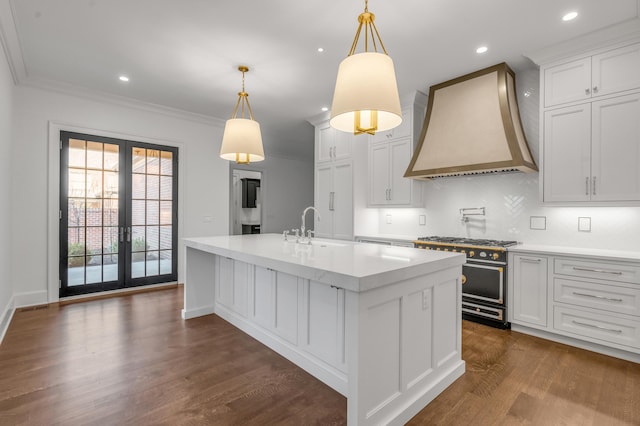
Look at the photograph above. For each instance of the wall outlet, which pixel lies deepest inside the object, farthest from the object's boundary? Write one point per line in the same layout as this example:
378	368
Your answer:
538	222
584	224
388	219
422	220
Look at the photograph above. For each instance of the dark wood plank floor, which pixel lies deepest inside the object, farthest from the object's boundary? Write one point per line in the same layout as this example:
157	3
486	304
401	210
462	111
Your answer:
132	360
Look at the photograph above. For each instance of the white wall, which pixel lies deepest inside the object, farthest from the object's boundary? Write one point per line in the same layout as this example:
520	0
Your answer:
204	176
287	188
6	101
511	200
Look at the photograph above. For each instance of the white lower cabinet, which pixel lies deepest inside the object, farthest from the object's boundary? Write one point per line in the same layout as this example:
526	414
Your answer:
304	313
588	298
529	300
325	325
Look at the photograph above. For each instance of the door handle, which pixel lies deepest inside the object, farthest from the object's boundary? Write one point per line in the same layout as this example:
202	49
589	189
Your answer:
586	185
128	234
122	234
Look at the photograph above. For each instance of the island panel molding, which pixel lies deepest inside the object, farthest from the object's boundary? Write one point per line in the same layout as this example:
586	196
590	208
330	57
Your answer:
379	324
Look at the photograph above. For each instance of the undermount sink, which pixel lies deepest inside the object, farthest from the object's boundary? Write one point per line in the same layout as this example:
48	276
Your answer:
322	243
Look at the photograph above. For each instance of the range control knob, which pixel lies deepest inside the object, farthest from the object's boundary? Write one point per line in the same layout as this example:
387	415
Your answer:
495	256
483	254
472	253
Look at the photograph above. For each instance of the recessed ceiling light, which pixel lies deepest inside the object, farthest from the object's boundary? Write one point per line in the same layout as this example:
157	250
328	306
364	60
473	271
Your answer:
570	16
482	49
325	109
123	78
320	49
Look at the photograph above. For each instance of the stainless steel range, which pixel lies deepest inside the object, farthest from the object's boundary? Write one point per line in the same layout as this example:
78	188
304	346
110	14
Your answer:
484	276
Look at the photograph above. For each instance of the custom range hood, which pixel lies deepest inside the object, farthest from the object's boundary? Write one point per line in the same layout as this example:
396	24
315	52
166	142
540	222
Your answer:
472	127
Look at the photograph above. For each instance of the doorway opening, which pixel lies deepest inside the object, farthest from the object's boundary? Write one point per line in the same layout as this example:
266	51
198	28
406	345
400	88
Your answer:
246	205
118	214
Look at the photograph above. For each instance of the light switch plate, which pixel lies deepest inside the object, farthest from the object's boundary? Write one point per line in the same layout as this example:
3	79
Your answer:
584	224
422	220
538	222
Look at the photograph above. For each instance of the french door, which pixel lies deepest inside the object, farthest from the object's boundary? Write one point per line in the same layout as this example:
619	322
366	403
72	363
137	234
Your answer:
118	214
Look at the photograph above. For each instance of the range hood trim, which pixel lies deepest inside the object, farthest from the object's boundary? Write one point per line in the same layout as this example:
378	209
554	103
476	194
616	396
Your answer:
509	113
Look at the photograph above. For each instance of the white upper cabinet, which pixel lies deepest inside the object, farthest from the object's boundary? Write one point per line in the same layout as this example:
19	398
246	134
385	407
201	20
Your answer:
567	82
613	71
592	151
389	155
591	143
387	163
331	144
403	130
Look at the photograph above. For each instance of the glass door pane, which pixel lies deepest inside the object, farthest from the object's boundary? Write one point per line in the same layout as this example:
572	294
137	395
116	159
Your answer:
92	212
152	212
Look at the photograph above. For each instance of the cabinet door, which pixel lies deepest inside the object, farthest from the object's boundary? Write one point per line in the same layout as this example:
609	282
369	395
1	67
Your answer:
343	201
263	303
325	136
400	187
324	199
379	174
567	154
530	290
616	71
225	281
567	82
616	149
286	307
342	144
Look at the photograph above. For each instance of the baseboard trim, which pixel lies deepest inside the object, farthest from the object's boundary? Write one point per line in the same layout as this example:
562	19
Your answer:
30	298
6	318
116	293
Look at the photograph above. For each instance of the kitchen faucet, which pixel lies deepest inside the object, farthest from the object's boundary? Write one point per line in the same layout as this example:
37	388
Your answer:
304	213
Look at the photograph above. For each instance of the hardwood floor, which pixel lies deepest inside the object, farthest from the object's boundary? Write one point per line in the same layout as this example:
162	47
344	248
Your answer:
133	360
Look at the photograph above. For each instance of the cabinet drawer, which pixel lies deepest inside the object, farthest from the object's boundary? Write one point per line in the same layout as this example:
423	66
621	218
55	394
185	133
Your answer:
597	327
622	300
610	271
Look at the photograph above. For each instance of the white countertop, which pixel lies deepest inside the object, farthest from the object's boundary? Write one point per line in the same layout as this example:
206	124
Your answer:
578	251
347	264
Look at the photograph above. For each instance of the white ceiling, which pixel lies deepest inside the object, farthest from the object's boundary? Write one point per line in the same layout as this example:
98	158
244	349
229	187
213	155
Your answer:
184	54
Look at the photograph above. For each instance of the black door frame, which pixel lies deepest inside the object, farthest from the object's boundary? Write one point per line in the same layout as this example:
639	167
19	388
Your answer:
124	217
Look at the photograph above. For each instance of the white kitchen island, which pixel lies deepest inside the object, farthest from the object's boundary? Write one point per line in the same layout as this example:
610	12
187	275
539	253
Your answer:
379	324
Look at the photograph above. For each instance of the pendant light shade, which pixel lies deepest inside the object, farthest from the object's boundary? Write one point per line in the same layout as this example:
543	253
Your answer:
242	140
366	97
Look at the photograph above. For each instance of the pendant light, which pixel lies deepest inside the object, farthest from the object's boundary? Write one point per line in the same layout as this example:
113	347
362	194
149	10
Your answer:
366	98
242	141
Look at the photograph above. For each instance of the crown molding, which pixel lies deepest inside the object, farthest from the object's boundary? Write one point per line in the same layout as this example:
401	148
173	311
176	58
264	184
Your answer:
99	96
11	42
624	32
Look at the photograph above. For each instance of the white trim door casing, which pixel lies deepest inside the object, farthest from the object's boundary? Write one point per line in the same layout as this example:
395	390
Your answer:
53	202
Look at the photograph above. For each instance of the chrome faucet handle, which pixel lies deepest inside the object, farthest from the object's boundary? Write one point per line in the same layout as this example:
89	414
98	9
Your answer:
297	232
310	233
285	235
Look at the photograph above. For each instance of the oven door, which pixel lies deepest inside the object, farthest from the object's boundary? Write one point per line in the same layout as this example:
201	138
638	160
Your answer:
483	282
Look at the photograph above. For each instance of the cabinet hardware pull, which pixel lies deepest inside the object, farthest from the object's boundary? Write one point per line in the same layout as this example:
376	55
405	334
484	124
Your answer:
586	185
602	271
595	89
595	296
390	197
611	330
527	259
586	91
594	185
